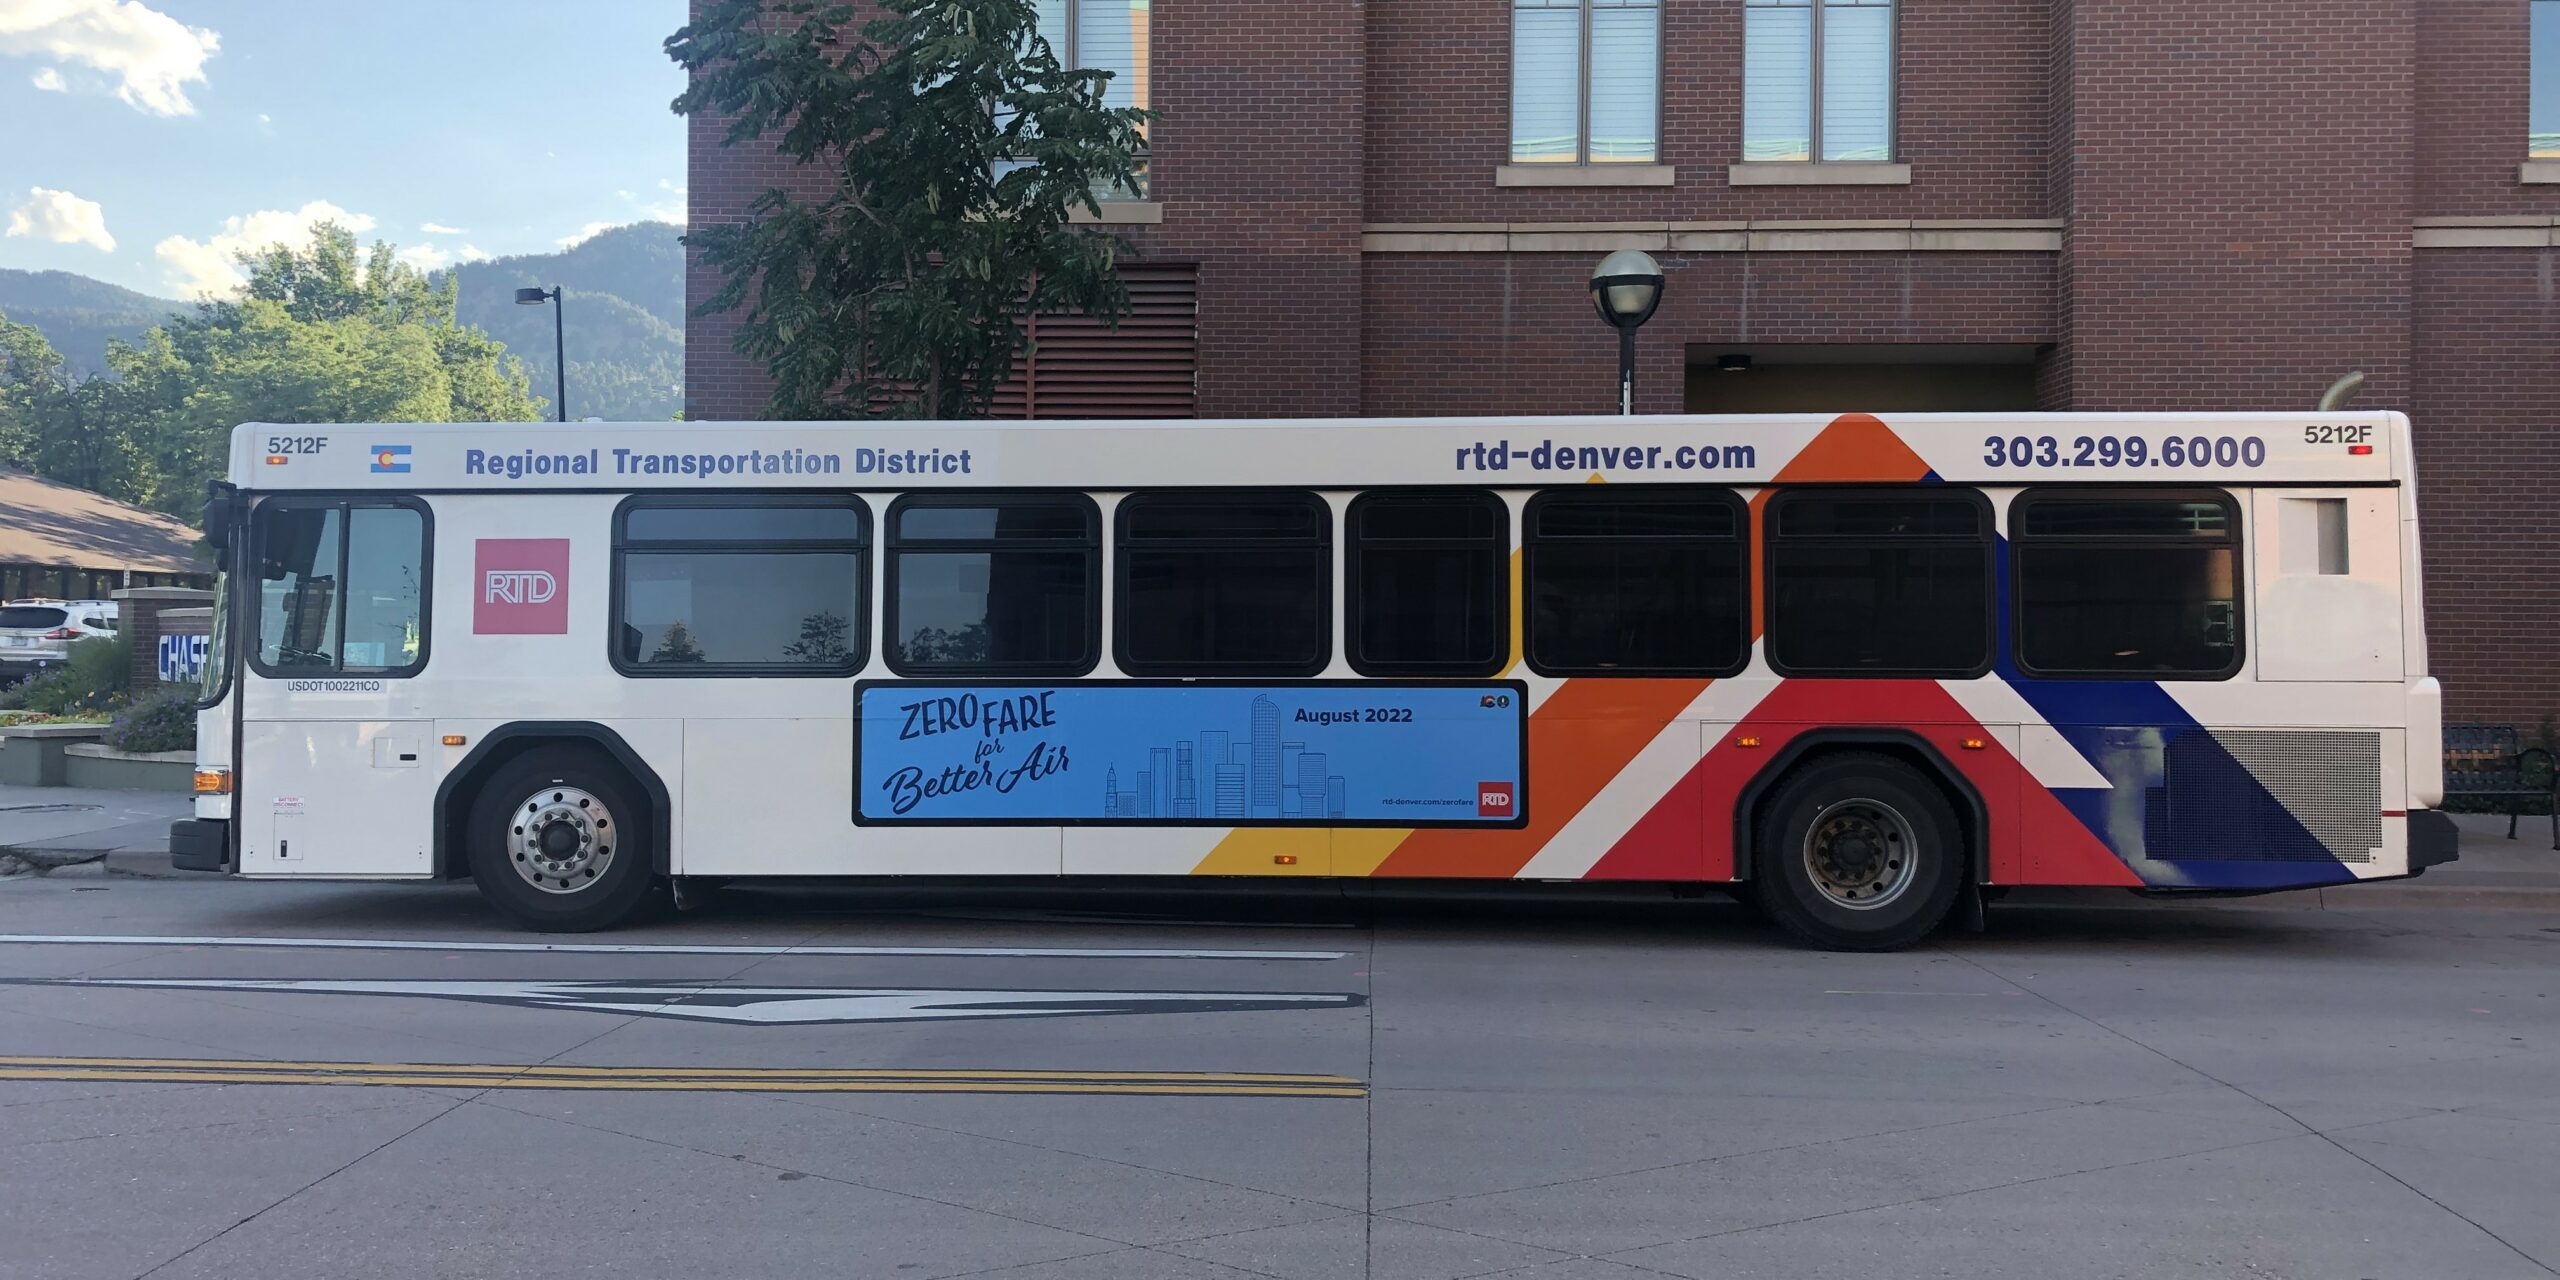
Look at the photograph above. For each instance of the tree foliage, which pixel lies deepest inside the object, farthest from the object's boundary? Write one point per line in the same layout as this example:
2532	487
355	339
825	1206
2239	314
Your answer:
959	147
323	332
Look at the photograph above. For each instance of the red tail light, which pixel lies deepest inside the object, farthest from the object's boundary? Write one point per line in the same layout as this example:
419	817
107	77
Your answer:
61	633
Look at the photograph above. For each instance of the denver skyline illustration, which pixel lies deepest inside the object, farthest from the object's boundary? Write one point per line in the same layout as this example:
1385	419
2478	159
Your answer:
1261	777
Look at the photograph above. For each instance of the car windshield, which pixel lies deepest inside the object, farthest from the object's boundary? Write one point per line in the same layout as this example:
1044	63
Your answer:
27	617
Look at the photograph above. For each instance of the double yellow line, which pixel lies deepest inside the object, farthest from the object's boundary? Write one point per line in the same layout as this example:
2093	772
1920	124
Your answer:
447	1075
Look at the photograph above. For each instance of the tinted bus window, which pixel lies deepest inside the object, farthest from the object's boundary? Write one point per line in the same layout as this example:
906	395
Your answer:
1624	581
2127	584
1224	583
1879	582
341	587
1428	577
739	586
994	585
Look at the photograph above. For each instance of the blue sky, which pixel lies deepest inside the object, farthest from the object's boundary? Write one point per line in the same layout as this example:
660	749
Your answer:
141	141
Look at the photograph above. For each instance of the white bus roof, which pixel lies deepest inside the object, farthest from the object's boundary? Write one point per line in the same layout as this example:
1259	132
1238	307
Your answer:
1337	453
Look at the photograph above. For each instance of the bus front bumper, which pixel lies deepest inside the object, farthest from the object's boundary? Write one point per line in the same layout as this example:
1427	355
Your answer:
200	844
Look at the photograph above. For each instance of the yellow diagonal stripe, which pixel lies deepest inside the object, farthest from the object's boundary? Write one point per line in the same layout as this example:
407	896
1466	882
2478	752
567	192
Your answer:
680	1079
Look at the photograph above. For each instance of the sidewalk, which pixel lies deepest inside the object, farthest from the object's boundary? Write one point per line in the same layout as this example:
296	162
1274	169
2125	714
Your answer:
127	833
42	828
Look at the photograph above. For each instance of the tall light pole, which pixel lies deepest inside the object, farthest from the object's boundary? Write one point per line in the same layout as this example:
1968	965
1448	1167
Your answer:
1625	289
559	339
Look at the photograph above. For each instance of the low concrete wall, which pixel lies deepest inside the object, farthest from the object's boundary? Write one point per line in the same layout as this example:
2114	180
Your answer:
103	768
34	753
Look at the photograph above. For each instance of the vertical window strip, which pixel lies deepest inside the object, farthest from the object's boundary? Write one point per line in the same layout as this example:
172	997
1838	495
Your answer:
1818	80
1546	81
1626	89
1857	81
2543	139
1777	81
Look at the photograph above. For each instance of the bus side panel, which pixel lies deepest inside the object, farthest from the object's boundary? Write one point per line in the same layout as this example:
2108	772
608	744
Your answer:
336	798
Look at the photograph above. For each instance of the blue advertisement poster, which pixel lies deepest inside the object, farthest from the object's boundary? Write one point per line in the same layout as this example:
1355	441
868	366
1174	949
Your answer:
1345	753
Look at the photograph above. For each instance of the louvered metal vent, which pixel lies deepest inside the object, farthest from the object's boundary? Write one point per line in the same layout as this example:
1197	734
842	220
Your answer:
1145	368
2282	794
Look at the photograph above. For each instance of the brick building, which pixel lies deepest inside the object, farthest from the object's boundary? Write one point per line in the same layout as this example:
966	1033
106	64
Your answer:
1391	207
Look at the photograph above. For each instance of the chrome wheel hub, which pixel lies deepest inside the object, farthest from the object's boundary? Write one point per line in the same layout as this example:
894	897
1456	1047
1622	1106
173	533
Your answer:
561	839
1860	854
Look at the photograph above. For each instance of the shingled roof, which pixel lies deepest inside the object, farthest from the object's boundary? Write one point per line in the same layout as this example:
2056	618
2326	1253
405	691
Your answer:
45	523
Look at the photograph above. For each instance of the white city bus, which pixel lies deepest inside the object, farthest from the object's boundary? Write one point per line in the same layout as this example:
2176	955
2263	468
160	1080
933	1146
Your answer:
1871	672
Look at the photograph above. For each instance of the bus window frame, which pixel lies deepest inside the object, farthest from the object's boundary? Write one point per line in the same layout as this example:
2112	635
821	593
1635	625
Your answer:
890	544
254	642
1326	543
1782	496
1529	540
2018	539
1352	602
858	628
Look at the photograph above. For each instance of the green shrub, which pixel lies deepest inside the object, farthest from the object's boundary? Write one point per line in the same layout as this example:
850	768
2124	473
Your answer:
164	721
91	676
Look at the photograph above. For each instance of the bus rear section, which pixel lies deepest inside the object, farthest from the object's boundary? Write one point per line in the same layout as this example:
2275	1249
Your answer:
1870	673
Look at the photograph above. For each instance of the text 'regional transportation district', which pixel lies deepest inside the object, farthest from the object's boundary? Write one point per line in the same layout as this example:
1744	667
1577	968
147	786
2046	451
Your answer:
1869	670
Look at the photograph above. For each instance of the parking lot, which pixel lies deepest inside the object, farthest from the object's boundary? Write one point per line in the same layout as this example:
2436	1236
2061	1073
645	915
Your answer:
1040	1084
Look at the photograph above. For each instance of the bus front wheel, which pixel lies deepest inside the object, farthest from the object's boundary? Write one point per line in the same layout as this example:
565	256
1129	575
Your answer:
560	842
1859	852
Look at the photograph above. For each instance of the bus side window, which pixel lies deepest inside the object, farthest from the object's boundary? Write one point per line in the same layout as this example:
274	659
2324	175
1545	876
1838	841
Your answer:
342	587
987	584
1630	581
1879	582
1428	578
1224	583
740	585
2126	584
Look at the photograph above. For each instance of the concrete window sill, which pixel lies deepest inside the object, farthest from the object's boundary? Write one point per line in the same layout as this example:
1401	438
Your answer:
1122	213
2534	173
1791	173
1583	175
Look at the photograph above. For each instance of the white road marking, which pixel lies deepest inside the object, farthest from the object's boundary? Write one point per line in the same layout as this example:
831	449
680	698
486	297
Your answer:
760	1006
654	948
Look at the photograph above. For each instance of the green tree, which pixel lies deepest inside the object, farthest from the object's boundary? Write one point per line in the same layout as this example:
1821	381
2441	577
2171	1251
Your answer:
676	644
959	146
61	426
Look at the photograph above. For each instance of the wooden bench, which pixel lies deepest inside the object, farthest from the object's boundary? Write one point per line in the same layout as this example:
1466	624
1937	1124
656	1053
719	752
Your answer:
2483	762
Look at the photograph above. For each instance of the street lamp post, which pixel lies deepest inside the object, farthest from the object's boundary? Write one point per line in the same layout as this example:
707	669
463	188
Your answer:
559	340
1626	288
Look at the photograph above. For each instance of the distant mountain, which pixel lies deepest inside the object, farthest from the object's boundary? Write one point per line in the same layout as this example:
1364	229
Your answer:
624	315
78	314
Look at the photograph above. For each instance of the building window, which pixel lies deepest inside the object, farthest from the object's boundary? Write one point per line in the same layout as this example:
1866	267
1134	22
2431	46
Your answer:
1631	582
1817	80
741	586
1224	584
2128	584
1879	582
981	584
1428	583
341	587
1586	81
1101	35
2545	122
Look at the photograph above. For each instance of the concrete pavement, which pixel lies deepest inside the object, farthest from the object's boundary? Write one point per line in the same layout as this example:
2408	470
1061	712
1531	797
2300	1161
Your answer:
1538	1088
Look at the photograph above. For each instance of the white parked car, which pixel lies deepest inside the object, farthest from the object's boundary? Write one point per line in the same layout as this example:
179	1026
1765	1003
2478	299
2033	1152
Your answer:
37	634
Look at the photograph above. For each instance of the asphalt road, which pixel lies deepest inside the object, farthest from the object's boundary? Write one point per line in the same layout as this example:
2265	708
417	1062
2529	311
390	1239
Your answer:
1079	1086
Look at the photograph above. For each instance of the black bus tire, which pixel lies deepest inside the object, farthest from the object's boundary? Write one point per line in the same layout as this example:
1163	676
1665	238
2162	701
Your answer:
559	841
1859	852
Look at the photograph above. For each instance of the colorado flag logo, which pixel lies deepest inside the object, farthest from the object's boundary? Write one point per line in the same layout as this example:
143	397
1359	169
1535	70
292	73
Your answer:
391	459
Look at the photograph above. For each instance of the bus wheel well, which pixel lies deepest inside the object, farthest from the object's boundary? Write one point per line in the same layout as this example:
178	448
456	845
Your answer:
454	795
1900	746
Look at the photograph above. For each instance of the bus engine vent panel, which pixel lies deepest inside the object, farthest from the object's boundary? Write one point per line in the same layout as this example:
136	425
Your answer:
2269	794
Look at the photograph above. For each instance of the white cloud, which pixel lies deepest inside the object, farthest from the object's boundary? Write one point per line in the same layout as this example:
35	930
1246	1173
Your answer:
266	125
149	55
430	256
470	253
51	81
63	218
586	233
439	229
207	266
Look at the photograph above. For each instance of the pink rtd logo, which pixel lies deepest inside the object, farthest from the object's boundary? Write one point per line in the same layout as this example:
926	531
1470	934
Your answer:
520	587
1493	799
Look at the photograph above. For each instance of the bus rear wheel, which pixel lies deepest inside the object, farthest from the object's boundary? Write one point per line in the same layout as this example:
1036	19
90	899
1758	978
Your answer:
1859	852
559	842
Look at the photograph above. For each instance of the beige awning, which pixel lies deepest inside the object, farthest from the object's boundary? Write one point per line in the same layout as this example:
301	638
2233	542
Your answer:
44	523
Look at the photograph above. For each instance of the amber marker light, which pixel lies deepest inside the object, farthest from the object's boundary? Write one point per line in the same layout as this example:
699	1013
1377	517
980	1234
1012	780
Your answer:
455	739
213	782
1976	744
1746	742
1284	859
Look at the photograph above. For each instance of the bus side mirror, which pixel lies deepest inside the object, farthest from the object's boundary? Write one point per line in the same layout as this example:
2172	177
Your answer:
219	507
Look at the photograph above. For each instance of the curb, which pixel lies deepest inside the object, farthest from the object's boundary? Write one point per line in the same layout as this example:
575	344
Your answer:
2379	897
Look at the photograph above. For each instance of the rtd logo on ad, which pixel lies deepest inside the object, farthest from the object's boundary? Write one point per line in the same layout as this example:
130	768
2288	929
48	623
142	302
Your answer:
522	587
1493	799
